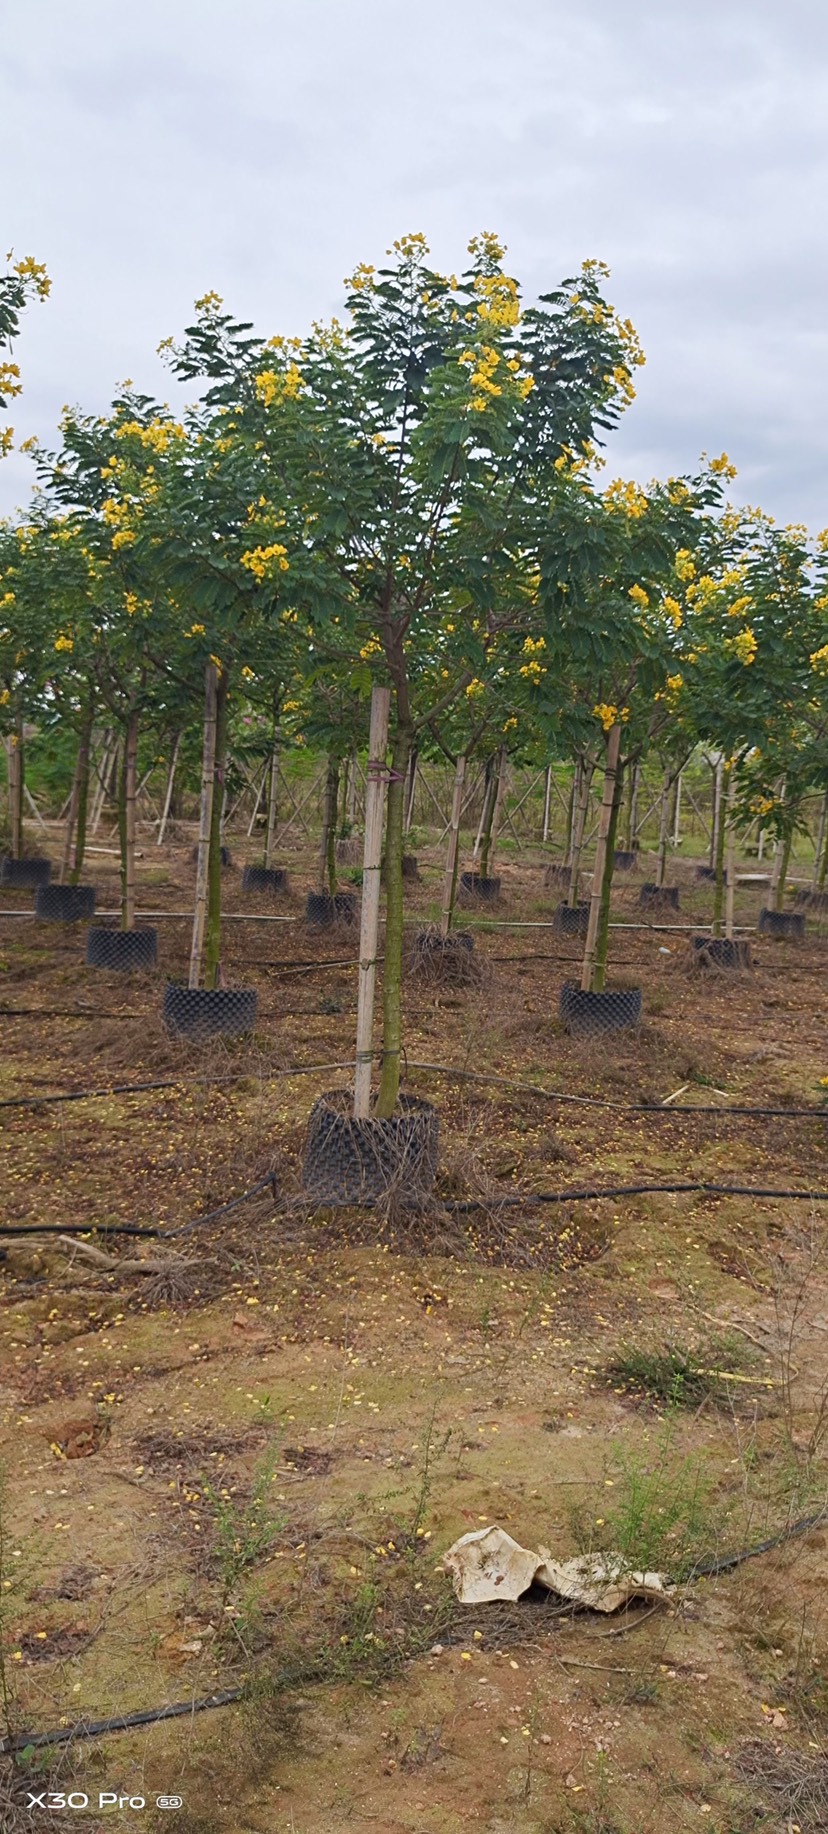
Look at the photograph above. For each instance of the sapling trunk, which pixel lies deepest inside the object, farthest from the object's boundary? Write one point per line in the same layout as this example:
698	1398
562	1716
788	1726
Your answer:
389	1087
83	766
784	860
493	828
369	917
632	807
581	807
412	789
715	825
547	801
821	866
327	845
126	821
487	809
609	808
722	784
571	810
602	946
208	781
168	794
730	858
350	801
663	828
453	849
16	770
677	812
81	771
212	936
272	795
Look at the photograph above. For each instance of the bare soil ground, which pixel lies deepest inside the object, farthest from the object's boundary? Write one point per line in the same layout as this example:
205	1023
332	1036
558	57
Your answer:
242	1473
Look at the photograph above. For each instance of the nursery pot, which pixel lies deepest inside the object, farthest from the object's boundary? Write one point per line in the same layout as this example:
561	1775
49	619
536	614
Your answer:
475	886
206	1012
722	952
659	897
706	873
264	879
571	919
28	874
65	903
782	923
364	1161
556	877
588	1015
410	866
125	950
624	860
323	909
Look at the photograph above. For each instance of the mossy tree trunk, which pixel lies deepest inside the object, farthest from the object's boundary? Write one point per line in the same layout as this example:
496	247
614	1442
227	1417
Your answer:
602	948
821	864
633	786
272	789
208	784
16	770
83	769
663	830
722	792
453	849
580	820
389	1086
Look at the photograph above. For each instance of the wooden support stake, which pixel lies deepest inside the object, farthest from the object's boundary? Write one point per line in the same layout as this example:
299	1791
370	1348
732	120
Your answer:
547	797
610	774
369	921
168	793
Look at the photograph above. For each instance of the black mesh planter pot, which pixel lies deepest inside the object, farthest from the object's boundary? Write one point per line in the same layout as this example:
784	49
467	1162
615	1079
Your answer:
226	858
782	923
410	866
264	879
369	1161
208	1012
124	951
27	874
659	897
571	919
324	910
722	952
590	1015
472	885
707	874
65	903
624	861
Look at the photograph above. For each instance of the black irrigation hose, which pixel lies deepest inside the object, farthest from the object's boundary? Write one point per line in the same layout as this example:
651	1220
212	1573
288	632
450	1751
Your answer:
160	1235
524	1199
123	1722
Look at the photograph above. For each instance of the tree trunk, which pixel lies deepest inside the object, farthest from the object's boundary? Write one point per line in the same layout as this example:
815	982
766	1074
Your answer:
81	769
272	795
781	868
677	812
632	807
392	973
718	779
493	826
663	829
602	949
369	920
486	811
584	784
821	866
83	766
412	790
547	799
609	808
126	822
168	794
453	849
16	769
208	780
572	809
730	856
212	935
327	845
350	803
722	789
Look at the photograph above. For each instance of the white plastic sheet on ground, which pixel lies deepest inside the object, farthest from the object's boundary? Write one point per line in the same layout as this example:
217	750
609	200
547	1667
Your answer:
487	1564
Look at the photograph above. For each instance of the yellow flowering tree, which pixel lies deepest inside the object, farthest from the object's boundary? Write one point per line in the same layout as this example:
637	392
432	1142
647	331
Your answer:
22	281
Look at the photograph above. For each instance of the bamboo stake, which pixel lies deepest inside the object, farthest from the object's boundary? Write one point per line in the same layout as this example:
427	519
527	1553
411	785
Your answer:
730	858
412	791
663	825
208	770
488	792
259	794
610	774
450	876
677	812
168	793
369	920
580	820
34	808
350	804
14	753
128	838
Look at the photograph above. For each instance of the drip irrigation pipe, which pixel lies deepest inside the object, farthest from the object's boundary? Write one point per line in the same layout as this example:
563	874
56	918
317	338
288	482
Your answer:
180	1709
526	1199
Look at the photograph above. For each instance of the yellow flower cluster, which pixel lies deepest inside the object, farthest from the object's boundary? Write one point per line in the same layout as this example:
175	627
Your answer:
195	630
532	646
723	466
29	269
510	724
622	380
674	682
628	498
685	566
739	605
6	440
209	302
264	562
743	646
248	674
362	278
673	610
64	643
532	671
499	303
639	597
157	436
819	660
372	648
272	387
609	715
10	383
475	689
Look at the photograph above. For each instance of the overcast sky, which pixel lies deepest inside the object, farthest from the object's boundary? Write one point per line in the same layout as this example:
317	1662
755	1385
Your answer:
153	149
